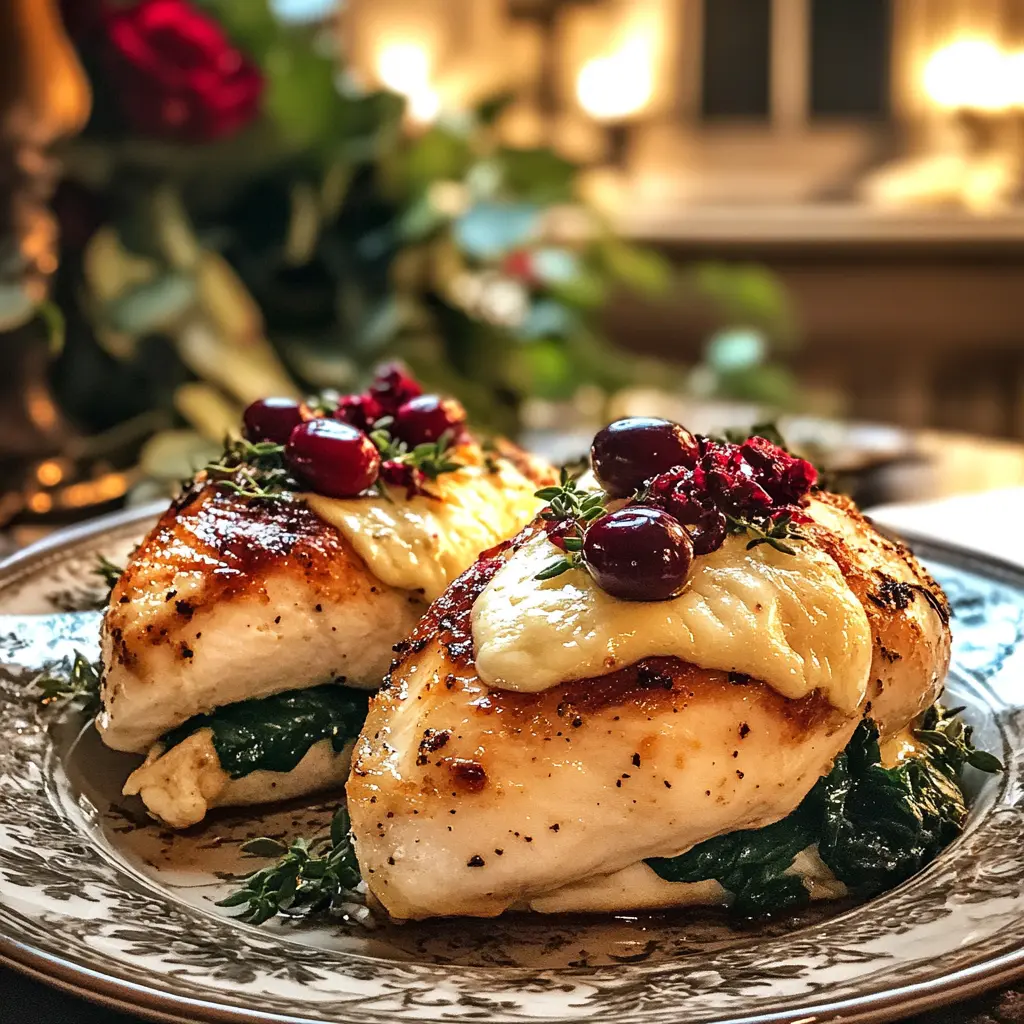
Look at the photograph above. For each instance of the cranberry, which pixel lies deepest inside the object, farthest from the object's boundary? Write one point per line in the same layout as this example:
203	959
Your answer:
392	387
401	474
359	411
427	417
629	452
785	477
732	481
638	554
681	493
271	419
332	458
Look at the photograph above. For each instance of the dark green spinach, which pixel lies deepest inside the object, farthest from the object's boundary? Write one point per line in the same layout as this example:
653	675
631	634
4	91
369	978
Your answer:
274	733
874	826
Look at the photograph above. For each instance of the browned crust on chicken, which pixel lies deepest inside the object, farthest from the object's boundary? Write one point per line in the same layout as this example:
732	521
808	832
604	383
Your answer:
467	799
230	544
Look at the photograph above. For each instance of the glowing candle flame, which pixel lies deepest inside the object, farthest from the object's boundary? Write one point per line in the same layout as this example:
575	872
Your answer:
405	67
969	74
619	84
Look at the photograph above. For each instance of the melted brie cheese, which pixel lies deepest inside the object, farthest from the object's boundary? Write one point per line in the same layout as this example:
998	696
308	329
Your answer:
788	620
423	543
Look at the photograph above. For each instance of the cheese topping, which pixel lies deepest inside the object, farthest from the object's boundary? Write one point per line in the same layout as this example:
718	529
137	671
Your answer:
423	543
788	620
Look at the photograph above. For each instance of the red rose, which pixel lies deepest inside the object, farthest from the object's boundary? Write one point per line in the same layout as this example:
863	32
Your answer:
178	75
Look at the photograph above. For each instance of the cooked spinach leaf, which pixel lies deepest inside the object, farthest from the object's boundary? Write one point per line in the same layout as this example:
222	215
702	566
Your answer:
274	733
750	864
874	826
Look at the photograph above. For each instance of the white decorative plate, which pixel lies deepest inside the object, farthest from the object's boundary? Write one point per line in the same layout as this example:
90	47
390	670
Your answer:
95	899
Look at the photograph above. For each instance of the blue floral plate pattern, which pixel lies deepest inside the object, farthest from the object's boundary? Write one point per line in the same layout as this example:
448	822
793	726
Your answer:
99	901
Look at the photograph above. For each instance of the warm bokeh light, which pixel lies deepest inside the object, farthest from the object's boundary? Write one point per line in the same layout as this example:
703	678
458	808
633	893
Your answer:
969	74
1013	73
49	473
620	84
405	68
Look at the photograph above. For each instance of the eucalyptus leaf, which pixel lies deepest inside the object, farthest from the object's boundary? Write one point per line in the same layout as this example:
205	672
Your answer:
437	155
540	174
147	307
489	230
639	269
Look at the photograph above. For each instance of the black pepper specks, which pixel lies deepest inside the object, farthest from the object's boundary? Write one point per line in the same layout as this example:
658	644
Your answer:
636	760
433	740
476	861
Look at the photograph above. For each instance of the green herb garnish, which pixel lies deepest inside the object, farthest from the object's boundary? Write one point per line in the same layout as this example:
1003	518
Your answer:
430	459
75	681
309	875
775	532
252	470
107	571
573	508
274	733
874	826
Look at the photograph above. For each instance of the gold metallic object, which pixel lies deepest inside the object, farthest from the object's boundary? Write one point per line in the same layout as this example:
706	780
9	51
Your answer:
44	96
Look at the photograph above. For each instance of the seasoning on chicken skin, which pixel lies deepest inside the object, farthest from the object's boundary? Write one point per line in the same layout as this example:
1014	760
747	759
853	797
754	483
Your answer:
471	799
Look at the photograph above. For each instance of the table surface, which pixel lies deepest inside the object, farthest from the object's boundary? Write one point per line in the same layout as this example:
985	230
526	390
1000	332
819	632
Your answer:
957	465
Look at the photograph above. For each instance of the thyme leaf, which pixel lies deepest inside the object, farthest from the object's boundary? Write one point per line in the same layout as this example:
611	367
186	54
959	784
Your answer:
75	681
411	466
309	875
776	532
252	470
570	509
107	571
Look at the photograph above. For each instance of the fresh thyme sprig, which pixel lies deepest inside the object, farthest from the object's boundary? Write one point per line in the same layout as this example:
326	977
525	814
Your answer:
950	741
252	470
71	682
107	571
774	532
428	460
309	875
571	507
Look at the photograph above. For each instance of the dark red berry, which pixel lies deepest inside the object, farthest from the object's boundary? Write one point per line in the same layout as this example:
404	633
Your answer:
271	419
401	474
393	386
785	477
628	452
359	411
427	417
638	554
332	458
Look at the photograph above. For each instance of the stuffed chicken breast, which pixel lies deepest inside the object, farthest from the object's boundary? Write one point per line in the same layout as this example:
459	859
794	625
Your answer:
298	561
680	690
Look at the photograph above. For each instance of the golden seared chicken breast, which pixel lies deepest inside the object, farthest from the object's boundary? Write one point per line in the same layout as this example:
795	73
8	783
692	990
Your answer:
282	577
693	686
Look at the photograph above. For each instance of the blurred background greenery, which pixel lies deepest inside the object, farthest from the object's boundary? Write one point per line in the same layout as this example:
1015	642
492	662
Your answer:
559	210
279	228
